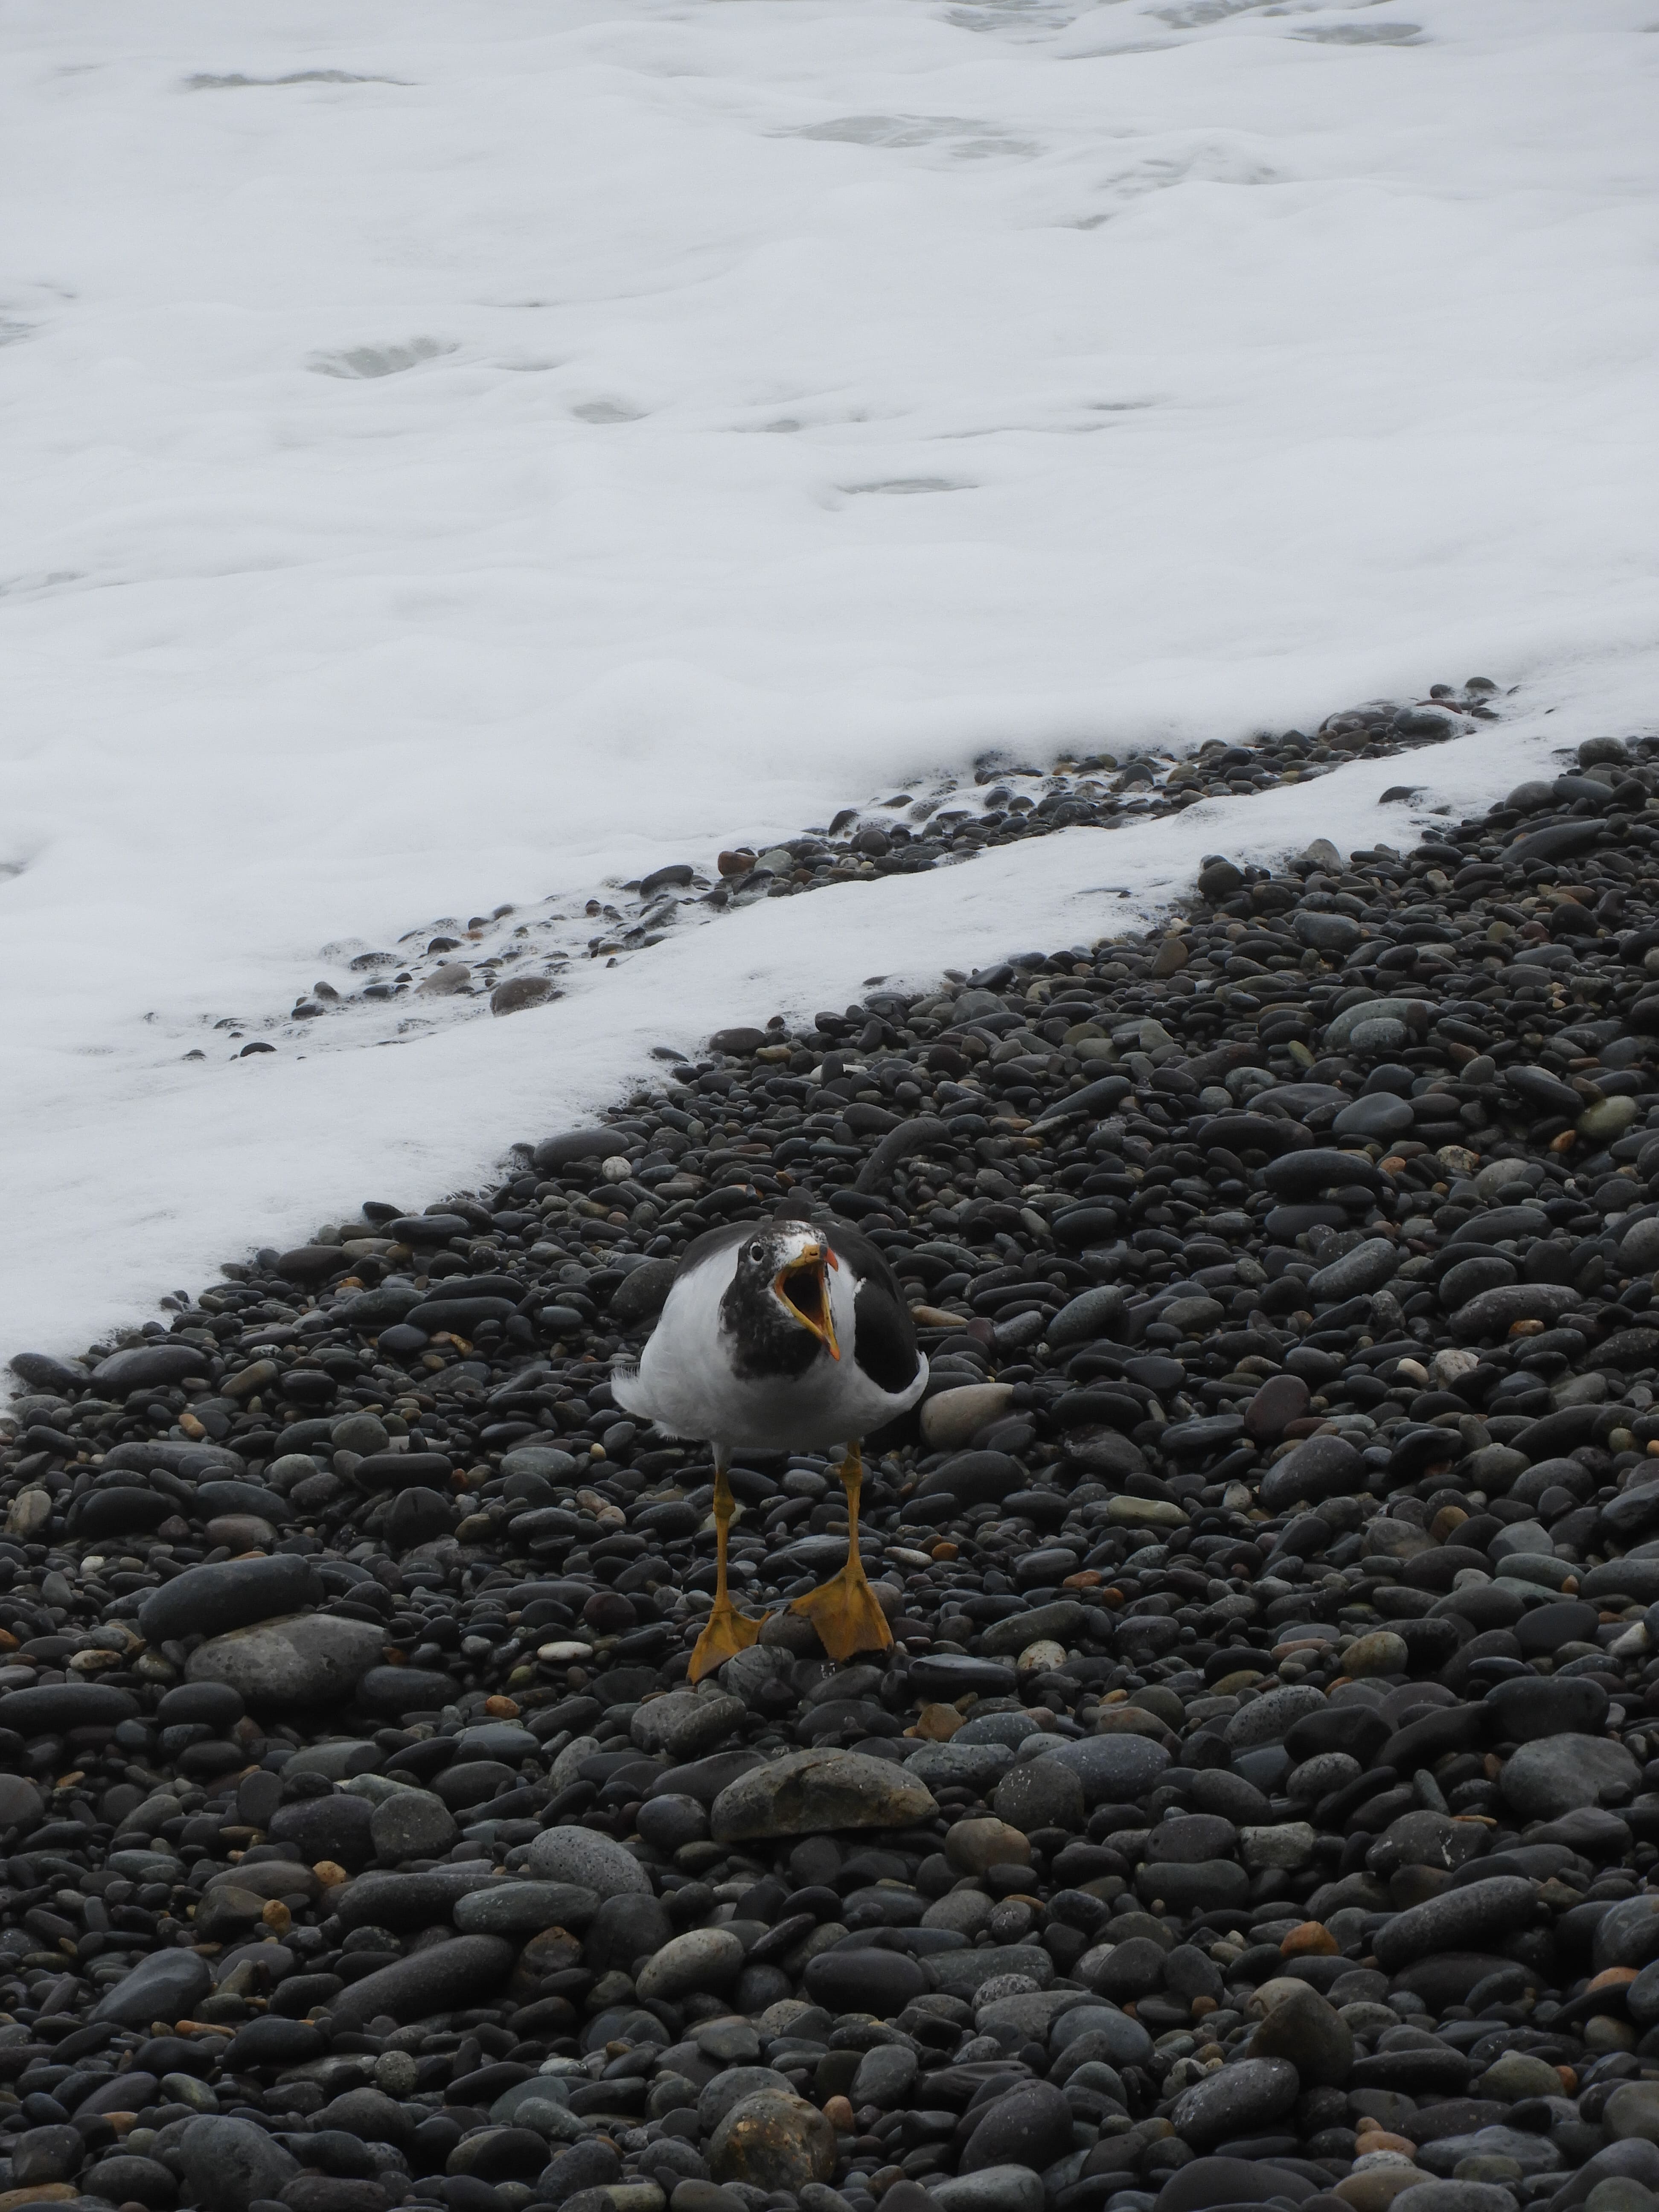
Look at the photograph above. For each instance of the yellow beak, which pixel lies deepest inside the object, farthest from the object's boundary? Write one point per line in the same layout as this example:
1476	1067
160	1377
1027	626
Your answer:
804	1286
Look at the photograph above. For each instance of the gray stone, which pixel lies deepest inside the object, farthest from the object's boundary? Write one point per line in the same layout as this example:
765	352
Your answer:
411	1824
886	2077
702	1959
1458	1920
1091	1314
21	1802
312	1659
1268	1718
1371	1010
164	1986
544	1461
806	1793
521	1908
1380	1115
1040	1793
1112	1769
228	1593
1030	2126
1240	2099
1546	1779
227	2163
1633	2109
962	1973
773	2140
1366	1267
1530	1707
466	1971
1311	2034
586	1860
956	1766
1627	1934
1318	1467
992	2189
686	1725
1455	2197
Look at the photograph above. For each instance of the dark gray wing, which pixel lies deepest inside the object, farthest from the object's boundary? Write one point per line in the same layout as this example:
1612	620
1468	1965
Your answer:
884	1336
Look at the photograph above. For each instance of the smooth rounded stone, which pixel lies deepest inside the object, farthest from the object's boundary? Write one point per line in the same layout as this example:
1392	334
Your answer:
545	1461
886	2077
730	2086
389	1692
1124	1971
773	2140
228	1593
127	2179
53	1707
1030	2126
1516	2074
1113	1770
992	2189
586	1860
146	1366
951	1418
164	1986
1457	1920
465	1970
957	1765
411	1824
667	1823
312	1659
1530	1707
1270	1718
48	2153
1554	1775
1380	1651
973	1846
1632	2110
1039	1794
520	1909
1617	2194
336	1828
1281	1398
1198	1886
966	1911
1546	1627
227	2163
1456	2196
1380	1115
21	1802
1311	2034
1010	1728
702	1959
1091	1314
1319	1468
881	1983
1209	2182
624	1932
404	1902
1495	1312
808	1793
118	1510
1241	2100
684	1725
1367	1267
946	1676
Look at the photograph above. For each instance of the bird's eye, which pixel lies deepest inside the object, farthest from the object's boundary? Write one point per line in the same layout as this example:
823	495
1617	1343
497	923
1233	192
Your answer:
756	1251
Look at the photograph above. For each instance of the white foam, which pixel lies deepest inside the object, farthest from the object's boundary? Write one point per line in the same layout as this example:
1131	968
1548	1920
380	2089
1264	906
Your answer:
508	450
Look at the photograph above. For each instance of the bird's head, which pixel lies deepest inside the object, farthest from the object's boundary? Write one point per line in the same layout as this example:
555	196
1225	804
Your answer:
792	1263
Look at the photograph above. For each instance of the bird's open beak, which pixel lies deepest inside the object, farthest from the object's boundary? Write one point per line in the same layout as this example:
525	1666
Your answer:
804	1288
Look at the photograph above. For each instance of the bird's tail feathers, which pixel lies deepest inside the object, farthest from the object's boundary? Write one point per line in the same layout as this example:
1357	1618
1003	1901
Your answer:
626	1388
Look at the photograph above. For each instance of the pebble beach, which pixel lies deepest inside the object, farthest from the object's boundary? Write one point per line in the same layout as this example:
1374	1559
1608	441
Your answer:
1258	1803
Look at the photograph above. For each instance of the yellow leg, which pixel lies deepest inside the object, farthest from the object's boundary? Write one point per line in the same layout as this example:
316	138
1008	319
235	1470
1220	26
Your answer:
844	1610
727	1631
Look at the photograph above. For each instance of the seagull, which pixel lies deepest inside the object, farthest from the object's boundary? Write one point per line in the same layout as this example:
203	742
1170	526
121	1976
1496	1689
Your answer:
780	1335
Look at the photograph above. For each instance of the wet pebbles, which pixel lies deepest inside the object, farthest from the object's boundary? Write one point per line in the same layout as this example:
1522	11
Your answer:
512	959
1260	1801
